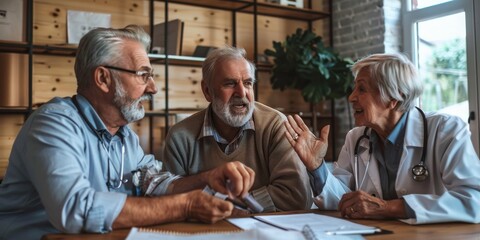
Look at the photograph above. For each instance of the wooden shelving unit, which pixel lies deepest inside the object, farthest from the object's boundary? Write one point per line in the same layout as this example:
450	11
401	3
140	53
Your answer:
50	15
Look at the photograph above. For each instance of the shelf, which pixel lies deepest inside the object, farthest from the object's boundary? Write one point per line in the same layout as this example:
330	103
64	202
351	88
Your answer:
267	9
264	67
171	112
14	47
233	5
308	115
22	47
70	51
194	61
59	50
11	110
176	60
275	10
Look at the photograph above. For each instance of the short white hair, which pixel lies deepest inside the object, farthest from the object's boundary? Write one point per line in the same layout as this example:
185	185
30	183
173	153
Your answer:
395	76
220	54
103	46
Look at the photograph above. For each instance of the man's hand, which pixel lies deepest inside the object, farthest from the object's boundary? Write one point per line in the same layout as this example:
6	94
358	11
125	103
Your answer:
206	208
233	179
194	205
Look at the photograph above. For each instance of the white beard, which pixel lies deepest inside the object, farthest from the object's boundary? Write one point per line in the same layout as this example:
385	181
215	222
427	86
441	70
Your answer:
131	109
227	113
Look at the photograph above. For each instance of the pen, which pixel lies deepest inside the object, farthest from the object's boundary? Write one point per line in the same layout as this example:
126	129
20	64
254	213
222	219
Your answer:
237	204
252	204
249	201
341	231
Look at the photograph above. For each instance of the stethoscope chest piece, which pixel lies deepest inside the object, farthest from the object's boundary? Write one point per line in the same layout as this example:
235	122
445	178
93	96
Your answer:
420	172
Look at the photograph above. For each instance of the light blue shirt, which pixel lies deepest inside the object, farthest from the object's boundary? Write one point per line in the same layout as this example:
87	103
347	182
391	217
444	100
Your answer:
57	173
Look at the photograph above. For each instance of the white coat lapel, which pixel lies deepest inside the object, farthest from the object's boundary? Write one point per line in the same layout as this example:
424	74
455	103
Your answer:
372	176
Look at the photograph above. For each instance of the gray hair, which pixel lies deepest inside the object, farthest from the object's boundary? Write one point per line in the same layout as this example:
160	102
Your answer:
221	54
103	46
395	76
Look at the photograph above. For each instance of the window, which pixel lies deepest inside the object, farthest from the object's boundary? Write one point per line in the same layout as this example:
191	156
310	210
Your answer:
439	35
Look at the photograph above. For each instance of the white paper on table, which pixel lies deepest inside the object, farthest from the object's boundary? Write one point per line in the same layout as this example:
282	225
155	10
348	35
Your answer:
319	224
251	234
79	23
249	223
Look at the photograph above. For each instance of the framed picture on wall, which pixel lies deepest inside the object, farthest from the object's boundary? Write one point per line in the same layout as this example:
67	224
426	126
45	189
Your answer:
11	20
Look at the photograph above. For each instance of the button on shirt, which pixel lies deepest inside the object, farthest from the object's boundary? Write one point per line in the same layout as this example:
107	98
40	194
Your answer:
228	147
57	173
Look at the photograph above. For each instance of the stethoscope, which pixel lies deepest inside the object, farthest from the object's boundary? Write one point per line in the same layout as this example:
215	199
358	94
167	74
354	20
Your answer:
109	184
419	171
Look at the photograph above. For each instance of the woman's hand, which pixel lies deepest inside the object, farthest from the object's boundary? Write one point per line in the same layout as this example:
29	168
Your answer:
309	148
360	204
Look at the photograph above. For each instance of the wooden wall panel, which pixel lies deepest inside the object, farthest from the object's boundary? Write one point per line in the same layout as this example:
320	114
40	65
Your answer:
184	88
50	16
202	26
52	76
142	129
286	101
269	29
10	125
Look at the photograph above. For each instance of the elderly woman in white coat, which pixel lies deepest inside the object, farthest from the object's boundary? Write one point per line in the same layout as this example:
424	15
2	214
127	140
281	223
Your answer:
397	162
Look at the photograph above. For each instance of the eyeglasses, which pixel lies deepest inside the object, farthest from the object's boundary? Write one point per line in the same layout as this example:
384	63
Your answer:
146	75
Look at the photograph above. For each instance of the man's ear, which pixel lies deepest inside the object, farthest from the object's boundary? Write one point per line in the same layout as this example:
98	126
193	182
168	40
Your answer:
206	91
103	79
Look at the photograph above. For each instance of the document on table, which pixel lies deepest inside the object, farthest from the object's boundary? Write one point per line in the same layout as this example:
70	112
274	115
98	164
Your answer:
251	234
319	225
306	226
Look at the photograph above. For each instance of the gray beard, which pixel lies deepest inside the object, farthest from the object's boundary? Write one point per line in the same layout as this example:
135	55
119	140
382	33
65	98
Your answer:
131	109
235	120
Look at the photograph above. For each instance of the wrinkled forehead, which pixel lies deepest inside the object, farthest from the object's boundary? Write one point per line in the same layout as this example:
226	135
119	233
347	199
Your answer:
135	55
233	67
365	78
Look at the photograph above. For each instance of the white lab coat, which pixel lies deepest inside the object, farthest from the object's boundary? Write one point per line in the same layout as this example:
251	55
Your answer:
450	193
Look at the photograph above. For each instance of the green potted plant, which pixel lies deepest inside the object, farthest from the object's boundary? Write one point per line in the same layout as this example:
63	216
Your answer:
303	62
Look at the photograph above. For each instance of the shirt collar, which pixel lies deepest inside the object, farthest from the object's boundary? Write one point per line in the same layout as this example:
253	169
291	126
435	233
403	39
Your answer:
91	116
209	130
396	136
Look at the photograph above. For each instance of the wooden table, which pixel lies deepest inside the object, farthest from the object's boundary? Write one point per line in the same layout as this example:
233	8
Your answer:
399	229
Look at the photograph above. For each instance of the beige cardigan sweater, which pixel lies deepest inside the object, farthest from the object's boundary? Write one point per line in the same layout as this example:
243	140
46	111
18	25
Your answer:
281	180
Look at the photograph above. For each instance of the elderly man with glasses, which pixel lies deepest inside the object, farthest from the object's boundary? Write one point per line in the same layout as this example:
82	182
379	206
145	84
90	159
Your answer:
76	163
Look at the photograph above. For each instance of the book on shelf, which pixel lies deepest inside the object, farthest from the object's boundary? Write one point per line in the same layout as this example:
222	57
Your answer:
174	37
